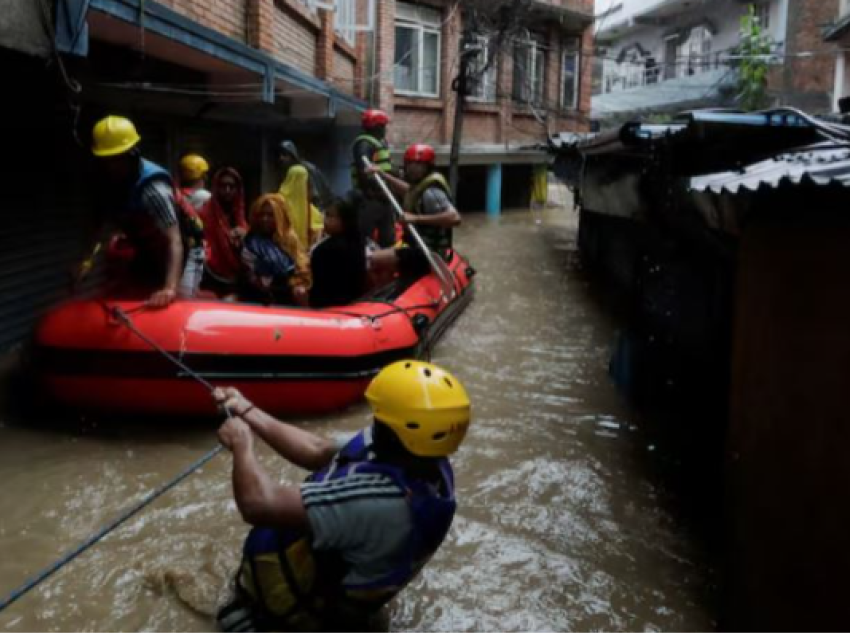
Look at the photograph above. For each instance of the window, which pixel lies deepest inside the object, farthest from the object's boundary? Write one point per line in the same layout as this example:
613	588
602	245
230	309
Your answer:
695	52
482	84
417	50
345	20
529	67
671	50
762	11
570	75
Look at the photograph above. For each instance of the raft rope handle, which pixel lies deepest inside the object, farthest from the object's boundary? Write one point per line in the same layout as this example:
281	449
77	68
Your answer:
448	282
57	565
121	316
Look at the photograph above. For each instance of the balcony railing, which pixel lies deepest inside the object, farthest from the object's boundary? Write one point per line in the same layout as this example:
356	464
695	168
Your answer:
627	75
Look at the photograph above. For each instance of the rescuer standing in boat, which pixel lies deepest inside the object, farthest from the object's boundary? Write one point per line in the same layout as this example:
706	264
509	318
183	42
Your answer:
164	231
427	206
330	553
376	214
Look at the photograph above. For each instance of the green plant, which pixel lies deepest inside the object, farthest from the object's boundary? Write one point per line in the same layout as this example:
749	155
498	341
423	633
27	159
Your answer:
754	51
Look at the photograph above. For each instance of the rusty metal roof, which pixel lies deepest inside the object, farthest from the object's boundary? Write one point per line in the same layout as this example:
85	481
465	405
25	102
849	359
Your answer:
822	164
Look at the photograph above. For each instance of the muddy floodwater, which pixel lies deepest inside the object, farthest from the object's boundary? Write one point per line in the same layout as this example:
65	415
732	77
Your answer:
563	525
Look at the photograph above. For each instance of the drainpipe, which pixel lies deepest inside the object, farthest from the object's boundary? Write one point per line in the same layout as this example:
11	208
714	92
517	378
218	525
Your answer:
494	190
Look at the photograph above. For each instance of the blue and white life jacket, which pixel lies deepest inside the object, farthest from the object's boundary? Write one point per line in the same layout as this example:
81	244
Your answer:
288	583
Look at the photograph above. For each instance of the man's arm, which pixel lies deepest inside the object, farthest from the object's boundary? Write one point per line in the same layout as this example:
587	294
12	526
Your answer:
260	500
438	208
399	186
302	448
158	201
446	218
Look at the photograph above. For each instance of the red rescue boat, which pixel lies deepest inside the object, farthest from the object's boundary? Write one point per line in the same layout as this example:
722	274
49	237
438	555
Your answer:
287	360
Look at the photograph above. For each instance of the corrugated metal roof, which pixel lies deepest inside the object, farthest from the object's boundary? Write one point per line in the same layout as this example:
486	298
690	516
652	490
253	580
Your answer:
822	164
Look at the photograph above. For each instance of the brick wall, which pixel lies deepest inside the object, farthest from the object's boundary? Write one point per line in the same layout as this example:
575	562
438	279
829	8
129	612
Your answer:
225	16
295	40
344	72
481	127
412	125
413	119
807	82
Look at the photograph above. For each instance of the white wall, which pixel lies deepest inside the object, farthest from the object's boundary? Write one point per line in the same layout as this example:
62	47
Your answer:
725	15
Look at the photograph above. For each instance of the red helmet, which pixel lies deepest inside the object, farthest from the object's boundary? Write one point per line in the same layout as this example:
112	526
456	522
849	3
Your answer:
422	153
373	118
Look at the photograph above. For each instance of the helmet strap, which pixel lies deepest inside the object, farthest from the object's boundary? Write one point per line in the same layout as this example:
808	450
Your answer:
389	449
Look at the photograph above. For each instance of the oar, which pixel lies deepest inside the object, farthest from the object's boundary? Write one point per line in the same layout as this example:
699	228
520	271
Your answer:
443	273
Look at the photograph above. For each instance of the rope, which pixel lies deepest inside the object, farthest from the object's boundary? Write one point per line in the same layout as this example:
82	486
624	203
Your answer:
100	534
120	315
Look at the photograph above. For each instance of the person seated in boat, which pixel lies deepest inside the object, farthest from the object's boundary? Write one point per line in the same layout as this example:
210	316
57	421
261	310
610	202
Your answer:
276	266
225	228
338	262
328	555
164	232
427	207
193	180
297	189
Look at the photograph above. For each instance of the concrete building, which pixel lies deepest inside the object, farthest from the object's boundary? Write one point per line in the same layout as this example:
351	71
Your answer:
230	78
671	55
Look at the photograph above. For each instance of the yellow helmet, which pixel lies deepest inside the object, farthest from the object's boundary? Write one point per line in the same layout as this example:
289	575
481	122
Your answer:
114	136
193	167
426	407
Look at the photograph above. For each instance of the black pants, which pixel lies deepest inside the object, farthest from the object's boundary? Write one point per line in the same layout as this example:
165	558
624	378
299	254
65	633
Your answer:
377	221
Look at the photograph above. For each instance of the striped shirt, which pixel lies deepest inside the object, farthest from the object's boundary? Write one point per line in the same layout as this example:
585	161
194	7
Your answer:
362	518
158	201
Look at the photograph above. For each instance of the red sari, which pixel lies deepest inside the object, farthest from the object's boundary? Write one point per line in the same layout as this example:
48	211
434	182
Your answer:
223	249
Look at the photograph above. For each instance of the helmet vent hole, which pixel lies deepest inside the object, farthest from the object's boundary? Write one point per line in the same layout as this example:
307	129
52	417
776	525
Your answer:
438	436
427	372
412	426
449	382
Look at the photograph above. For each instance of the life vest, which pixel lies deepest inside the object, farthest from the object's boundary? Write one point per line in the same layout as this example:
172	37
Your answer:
288	584
438	239
380	157
142	229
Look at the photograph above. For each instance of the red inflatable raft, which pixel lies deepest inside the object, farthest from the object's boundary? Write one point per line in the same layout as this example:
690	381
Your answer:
285	359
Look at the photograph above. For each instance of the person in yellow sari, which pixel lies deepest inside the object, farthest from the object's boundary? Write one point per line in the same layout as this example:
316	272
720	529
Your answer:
539	191
307	220
276	265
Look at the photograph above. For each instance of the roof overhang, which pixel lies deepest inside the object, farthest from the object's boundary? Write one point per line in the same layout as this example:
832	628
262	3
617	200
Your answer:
485	155
167	35
569	19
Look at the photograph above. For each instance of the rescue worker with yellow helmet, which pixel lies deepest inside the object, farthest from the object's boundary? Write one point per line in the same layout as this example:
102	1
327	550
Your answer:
330	554
193	180
164	232
376	215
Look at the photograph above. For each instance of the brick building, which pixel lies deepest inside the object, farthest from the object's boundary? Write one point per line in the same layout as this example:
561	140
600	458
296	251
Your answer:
230	78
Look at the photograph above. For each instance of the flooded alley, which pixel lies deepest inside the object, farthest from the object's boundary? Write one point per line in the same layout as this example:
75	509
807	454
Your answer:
562	523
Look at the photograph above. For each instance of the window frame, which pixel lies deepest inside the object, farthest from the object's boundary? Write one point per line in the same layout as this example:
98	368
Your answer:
535	46
571	48
490	80
349	32
421	26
